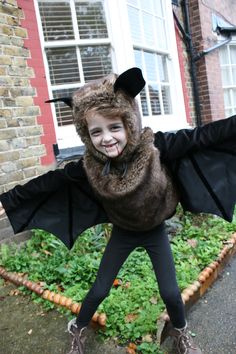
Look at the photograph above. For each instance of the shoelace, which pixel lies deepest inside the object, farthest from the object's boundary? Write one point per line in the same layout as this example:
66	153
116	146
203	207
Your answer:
75	345
185	339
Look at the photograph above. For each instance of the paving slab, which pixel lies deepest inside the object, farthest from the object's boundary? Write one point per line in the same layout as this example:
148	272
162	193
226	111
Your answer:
26	328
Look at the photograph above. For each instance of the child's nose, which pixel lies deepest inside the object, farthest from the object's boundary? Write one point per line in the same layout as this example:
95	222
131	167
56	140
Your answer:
107	136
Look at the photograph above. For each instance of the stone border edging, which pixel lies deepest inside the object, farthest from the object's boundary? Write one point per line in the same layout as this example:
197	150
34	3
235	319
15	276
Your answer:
56	298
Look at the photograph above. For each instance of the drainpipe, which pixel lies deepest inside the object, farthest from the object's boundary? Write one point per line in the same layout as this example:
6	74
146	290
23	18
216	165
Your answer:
209	50
191	55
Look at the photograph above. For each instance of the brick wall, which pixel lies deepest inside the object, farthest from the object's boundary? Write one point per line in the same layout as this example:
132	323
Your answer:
208	68
38	81
22	148
185	70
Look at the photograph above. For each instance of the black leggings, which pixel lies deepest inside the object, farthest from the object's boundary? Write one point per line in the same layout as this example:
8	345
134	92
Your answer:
120	245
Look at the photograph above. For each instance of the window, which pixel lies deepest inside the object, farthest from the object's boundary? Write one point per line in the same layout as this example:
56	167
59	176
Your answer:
228	72
85	40
149	36
77	47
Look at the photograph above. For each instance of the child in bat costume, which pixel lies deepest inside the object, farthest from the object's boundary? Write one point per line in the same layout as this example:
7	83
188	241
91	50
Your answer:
128	169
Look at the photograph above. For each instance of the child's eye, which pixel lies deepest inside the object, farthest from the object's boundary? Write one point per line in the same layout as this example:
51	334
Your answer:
116	127
95	133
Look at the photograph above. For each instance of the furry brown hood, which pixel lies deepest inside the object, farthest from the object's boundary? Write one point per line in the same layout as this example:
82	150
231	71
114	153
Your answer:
112	93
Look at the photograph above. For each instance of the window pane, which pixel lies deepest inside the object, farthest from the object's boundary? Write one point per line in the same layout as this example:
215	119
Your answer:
227	98
162	68
233	97
160	29
156	72
91	20
158	8
63	65
135	26
138	58
226	76
147	24
234	75
56	20
233	54
150	66
229	112
63	112
146	5
228	73
155	99
144	105
224	58
96	61
148	29
166	99
150	38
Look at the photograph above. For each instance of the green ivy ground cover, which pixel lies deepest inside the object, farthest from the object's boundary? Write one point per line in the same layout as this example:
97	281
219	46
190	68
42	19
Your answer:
133	307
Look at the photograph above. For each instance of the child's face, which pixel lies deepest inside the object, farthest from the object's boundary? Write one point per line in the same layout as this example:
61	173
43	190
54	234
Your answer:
108	135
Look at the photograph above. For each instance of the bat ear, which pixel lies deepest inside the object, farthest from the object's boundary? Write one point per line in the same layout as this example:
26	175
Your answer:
131	81
66	100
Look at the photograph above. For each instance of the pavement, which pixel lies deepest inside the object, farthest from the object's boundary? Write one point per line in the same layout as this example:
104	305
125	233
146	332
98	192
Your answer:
213	317
25	328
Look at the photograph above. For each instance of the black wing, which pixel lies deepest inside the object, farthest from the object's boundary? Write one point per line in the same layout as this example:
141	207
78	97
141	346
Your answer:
64	206
207	180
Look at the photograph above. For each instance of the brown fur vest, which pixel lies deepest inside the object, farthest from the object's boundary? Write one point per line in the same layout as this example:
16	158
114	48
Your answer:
141	199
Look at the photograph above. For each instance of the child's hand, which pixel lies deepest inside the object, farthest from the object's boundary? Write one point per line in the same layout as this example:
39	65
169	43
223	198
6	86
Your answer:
2	210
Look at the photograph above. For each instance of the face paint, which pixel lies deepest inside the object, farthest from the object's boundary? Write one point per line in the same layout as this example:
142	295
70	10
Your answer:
107	152
118	152
107	135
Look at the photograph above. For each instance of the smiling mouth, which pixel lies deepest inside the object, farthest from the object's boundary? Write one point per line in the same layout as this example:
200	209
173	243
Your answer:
109	146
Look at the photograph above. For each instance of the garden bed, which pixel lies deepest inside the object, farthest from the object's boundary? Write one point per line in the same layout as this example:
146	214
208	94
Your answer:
134	303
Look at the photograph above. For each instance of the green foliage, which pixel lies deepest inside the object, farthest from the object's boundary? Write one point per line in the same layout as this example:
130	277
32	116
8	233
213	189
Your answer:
133	307
149	348
132	310
198	244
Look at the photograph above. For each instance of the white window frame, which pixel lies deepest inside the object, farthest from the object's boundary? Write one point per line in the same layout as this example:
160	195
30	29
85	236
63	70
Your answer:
231	109
67	136
123	58
122	43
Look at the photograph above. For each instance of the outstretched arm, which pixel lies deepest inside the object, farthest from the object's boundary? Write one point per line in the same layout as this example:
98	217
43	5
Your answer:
61	202
44	184
176	145
203	163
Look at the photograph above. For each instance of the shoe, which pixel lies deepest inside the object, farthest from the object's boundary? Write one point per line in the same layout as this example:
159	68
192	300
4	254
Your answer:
78	337
182	341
